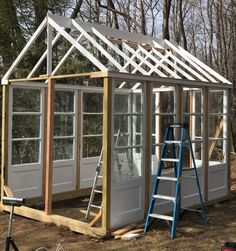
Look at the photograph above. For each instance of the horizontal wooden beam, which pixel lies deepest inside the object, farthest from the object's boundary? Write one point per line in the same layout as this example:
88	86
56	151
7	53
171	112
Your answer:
72	224
45	77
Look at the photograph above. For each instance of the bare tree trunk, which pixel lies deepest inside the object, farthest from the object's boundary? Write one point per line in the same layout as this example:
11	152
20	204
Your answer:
181	24
143	18
166	17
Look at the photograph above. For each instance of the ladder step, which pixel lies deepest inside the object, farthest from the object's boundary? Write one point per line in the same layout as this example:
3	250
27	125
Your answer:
166	178
161	216
95	206
170	160
97	191
172	142
164	197
100	176
192	210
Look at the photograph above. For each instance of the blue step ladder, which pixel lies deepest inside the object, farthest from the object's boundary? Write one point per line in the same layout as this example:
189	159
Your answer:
182	130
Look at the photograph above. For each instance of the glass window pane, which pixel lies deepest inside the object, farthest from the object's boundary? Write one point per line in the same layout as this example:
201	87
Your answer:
128	127
63	149
198	101
64	101
25	151
25	126
138	102
195	120
216	126
63	125
167	102
127	164
216	101
121	103
92	124
26	100
93	102
92	146
216	152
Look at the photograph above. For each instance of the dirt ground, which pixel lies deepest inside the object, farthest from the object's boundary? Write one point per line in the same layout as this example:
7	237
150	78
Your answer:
191	233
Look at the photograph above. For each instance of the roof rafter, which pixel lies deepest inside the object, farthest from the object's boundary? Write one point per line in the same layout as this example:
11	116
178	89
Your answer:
125	52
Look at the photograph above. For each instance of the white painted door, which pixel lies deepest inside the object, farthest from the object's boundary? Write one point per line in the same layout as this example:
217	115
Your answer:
25	172
127	192
127	175
65	141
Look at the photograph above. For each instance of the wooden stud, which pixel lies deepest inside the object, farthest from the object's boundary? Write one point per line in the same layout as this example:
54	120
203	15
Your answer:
205	159
107	141
79	122
7	190
148	142
158	123
96	219
179	99
49	147
4	159
229	134
45	100
190	122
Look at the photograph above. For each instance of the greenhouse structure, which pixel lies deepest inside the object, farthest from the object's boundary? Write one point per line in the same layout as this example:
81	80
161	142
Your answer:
56	124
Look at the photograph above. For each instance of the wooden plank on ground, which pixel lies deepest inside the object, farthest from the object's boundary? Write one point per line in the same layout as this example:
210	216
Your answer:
133	234
124	230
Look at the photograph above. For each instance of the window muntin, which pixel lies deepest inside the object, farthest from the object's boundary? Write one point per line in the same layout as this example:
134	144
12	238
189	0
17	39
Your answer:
163	113
64	125
26	125
193	115
217	126
92	123
127	131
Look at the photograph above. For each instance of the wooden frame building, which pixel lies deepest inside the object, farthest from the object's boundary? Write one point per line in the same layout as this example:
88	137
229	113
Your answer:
54	126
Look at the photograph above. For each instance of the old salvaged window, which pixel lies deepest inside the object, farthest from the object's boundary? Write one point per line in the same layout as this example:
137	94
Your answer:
64	125
217	126
26	125
92	122
163	113
193	116
127	131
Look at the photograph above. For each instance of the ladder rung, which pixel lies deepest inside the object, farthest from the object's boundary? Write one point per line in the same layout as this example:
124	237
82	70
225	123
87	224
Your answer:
95	206
164	197
97	191
161	216
172	142
166	178
189	177
170	160
193	210
100	176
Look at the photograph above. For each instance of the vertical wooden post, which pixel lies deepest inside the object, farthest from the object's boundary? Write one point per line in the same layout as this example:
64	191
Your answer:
148	142
158	123
179	99
205	130
107	141
191	122
49	49
227	131
4	160
78	135
49	147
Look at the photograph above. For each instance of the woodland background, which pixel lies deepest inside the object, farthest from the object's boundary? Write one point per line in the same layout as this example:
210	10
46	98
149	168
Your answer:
206	28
